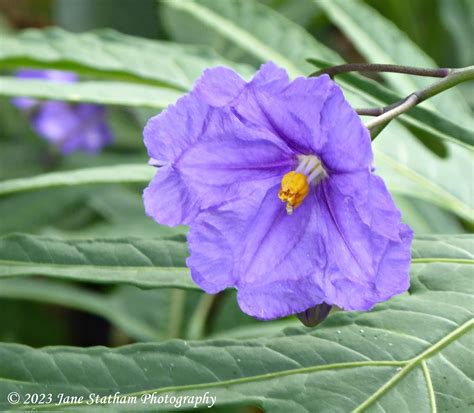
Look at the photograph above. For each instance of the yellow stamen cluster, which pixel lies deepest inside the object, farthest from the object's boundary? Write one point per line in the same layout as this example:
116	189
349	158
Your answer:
294	188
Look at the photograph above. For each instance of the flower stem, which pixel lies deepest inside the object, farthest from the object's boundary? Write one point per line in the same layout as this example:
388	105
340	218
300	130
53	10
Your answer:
369	67
454	77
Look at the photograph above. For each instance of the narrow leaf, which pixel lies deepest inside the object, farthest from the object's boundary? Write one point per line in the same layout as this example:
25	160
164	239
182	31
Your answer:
148	263
100	175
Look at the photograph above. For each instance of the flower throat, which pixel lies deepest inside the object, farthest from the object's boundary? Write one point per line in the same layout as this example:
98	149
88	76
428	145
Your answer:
295	184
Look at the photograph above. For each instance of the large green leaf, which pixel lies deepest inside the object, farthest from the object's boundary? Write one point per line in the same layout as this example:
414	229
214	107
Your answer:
413	351
245	30
107	93
148	263
99	175
111	55
390	45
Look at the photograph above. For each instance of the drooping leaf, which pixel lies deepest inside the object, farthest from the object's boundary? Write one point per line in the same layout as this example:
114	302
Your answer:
412	351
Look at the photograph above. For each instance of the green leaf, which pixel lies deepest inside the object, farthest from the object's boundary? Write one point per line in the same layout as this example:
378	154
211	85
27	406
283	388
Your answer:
107	93
111	55
457	17
426	218
246	30
100	175
148	263
382	42
412	351
49	206
145	320
409	168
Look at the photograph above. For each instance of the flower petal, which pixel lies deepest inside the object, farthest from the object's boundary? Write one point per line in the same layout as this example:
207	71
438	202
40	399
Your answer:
292	113
370	198
348	145
167	199
270	77
219	86
355	279
169	133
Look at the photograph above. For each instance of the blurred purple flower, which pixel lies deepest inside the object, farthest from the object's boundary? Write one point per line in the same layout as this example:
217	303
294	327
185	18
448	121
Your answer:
275	179
70	127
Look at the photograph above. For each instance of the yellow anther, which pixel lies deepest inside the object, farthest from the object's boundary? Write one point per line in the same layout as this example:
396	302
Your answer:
294	188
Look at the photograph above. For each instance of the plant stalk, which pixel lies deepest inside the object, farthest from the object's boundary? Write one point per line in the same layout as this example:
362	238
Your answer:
369	67
454	77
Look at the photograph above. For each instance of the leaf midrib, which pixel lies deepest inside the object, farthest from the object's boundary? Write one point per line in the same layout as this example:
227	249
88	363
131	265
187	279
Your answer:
407	366
100	267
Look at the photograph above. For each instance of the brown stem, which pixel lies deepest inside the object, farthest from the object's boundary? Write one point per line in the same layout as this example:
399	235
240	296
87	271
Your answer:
369	67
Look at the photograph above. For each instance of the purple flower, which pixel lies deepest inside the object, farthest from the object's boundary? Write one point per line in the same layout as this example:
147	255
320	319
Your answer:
70	127
275	180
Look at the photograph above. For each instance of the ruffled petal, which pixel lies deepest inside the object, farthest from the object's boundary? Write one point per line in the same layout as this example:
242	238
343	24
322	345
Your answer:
270	77
218	86
348	145
370	198
171	132
359	258
168	200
